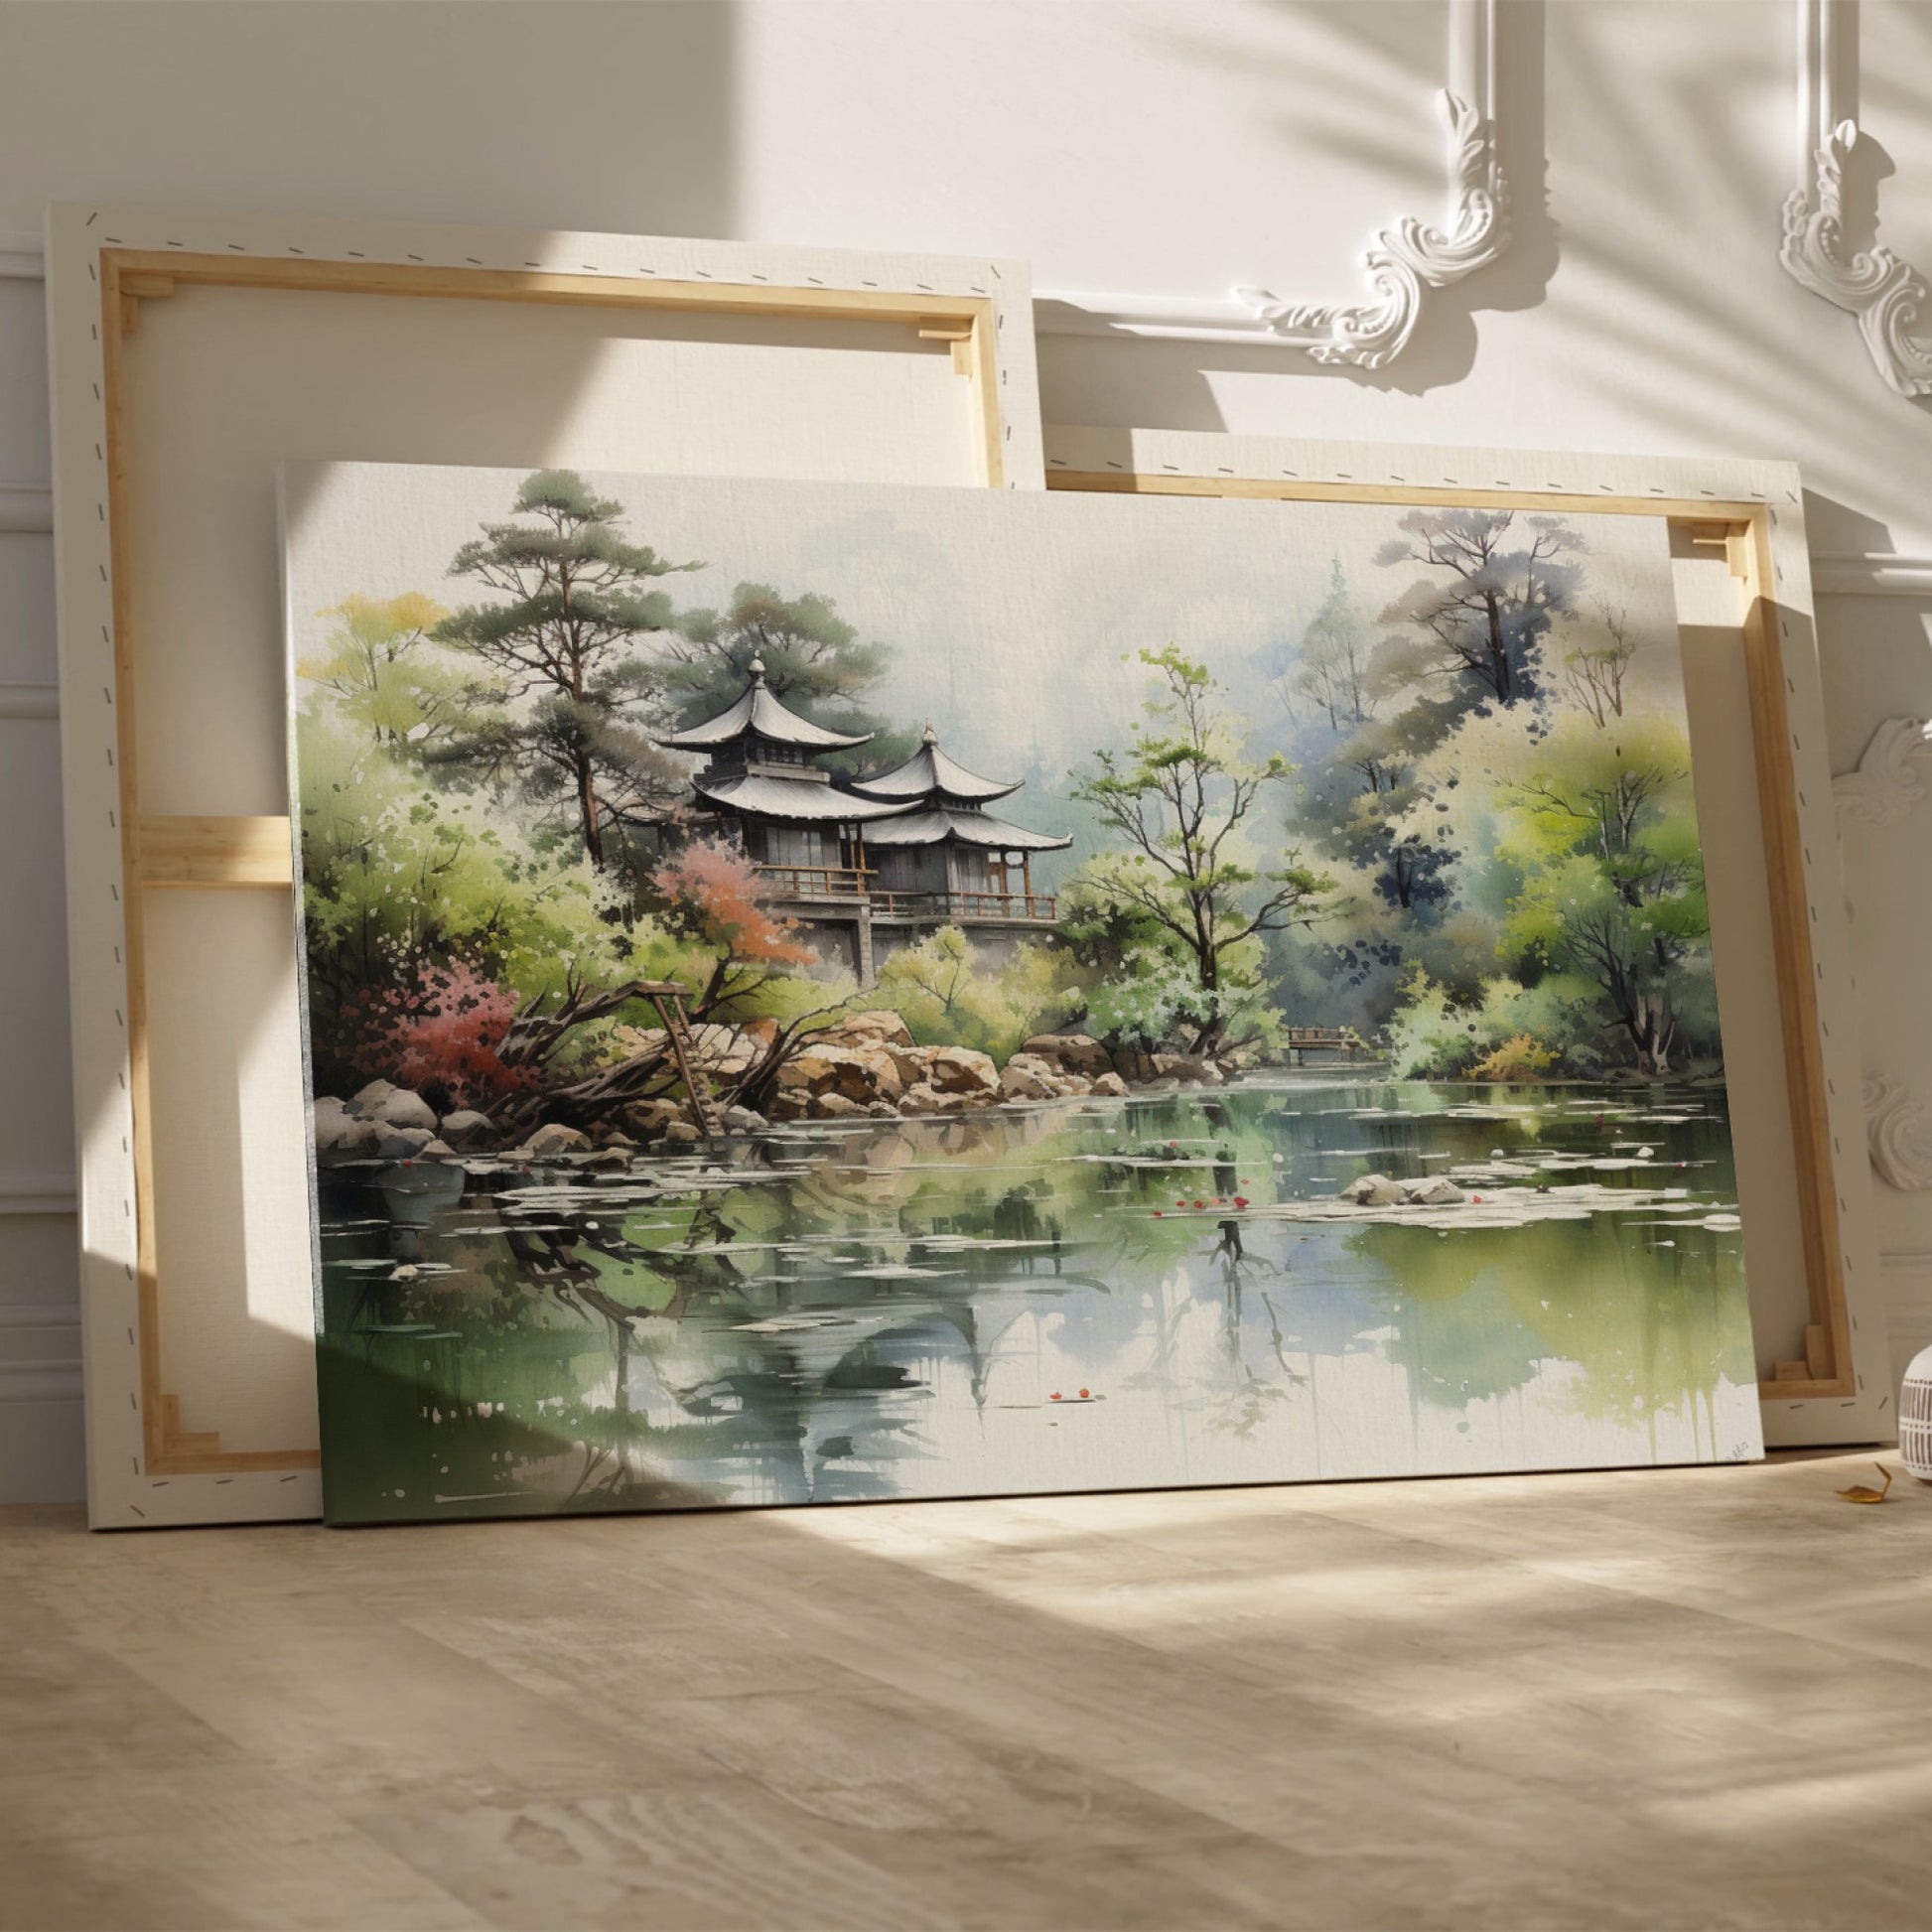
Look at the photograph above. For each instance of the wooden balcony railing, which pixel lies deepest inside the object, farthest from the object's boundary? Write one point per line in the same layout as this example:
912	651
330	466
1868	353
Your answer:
855	881
815	882
1040	907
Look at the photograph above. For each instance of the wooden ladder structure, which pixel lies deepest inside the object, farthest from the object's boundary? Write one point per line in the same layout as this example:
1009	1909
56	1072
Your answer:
667	996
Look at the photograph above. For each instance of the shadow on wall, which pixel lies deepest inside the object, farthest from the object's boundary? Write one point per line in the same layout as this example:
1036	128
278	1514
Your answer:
1444	348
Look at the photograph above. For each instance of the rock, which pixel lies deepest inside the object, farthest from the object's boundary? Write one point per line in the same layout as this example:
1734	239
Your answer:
1374	1190
1026	1076
1186	1067
1071	1052
680	1133
618	1140
1132	1065
1110	1086
875	1026
720	1049
882	1110
468	1128
1074	1086
609	1160
822	1069
790	1103
724	1049
834	1106
648	1119
741	1120
393	1106
960	1070
926	1099
436	1150
338	1131
400	1143
551	1140
1431	1193
883	1064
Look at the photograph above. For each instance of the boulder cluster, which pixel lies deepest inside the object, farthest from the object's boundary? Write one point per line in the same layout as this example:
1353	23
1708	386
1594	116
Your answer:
867	1064
1378	1190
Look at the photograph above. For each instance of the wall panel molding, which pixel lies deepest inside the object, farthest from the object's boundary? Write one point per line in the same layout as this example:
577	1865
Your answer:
39	701
39	1352
37	1193
27	508
1886	294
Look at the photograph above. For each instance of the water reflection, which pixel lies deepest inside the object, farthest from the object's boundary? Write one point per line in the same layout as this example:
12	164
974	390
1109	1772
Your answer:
1076	1294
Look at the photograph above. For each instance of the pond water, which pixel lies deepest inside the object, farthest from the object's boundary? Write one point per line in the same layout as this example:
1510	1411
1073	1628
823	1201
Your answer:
1077	1295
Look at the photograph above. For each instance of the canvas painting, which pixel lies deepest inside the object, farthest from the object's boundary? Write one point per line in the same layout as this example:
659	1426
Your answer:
821	993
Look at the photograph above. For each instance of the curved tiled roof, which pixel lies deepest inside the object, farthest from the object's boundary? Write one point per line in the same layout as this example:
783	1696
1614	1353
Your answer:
929	769
756	710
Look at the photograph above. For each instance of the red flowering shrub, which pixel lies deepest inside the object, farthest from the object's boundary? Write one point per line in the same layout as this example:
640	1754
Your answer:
440	1038
713	894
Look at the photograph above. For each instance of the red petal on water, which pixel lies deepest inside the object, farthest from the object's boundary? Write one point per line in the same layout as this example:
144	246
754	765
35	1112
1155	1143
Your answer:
1085	1394
1054	1396
1200	1203
1157	1212
1240	1200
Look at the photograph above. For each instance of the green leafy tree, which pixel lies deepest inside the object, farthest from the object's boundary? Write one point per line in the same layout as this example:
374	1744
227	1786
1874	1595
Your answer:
387	676
1493	590
573	600
1330	672
1603	828
813	659
946	994
1179	797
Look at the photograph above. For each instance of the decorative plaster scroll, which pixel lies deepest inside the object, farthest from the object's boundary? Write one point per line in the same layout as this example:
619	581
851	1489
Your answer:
1888	296
1899	1135
1404	262
1886	785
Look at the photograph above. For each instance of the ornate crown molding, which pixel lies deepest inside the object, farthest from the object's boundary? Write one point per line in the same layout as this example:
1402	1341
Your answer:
1405	262
1886	785
1887	295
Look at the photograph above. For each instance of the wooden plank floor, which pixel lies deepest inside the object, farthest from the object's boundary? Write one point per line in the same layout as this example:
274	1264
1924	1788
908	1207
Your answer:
1683	1698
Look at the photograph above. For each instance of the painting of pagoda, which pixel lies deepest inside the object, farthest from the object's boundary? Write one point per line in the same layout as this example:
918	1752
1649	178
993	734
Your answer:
730	1084
866	866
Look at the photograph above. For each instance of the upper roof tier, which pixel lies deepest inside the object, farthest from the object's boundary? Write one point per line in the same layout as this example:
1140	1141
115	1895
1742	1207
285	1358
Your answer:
929	771
756	711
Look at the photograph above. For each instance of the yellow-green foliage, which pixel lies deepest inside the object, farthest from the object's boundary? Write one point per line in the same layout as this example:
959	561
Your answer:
948	995
387	678
1519	1058
398	875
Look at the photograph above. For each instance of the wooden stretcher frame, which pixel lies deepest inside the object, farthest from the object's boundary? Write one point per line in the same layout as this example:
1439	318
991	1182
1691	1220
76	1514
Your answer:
145	1465
1752	513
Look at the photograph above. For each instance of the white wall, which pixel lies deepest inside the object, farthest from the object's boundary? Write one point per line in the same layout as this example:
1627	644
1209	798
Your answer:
1176	146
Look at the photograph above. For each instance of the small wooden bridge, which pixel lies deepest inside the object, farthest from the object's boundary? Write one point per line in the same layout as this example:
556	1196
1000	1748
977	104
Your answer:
1343	1042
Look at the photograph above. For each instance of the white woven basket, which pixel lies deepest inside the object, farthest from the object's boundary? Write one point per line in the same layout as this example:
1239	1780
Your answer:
1915	1416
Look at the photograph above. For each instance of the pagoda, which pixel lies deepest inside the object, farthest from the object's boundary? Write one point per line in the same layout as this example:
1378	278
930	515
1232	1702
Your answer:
869	864
944	846
761	786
